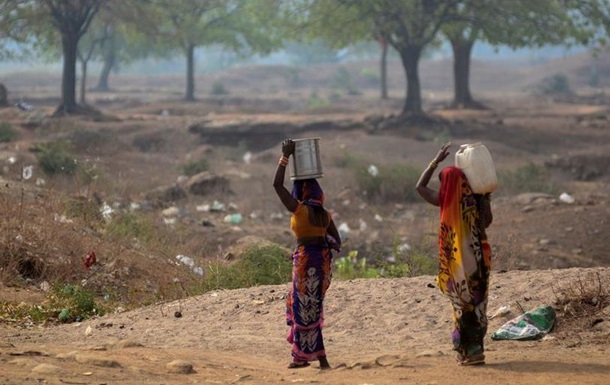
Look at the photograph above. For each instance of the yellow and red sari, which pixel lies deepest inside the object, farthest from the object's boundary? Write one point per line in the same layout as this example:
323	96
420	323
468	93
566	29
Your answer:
464	262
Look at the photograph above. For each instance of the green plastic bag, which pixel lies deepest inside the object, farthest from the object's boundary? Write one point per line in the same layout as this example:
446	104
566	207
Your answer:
531	325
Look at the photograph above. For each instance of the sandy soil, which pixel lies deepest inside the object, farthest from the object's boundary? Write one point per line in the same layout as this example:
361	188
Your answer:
385	331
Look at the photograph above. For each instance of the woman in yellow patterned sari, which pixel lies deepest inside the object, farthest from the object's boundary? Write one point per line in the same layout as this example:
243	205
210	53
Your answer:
464	255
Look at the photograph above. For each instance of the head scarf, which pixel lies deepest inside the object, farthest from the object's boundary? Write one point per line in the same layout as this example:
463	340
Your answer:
308	191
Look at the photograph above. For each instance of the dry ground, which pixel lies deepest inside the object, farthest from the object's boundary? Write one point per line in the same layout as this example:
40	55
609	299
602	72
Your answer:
378	331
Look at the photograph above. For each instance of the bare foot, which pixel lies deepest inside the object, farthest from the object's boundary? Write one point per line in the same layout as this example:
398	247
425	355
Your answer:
324	365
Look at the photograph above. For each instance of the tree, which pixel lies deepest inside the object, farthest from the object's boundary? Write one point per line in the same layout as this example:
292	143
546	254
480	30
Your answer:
519	23
237	25
71	18
409	26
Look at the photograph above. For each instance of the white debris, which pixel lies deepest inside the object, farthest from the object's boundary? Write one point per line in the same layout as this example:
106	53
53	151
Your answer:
362	224
88	331
247	157
106	211
566	198
40	182
378	218
203	208
27	172
503	310
404	247
373	170
188	261
343	231
171	212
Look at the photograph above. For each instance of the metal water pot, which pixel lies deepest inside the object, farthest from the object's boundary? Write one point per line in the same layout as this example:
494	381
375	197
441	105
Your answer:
306	163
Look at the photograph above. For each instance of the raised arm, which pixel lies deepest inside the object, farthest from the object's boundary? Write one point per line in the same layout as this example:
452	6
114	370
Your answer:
429	195
278	180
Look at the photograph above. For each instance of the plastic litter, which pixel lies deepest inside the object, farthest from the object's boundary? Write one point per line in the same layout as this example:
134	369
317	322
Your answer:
566	198
233	218
343	231
373	170
217	206
502	310
247	157
533	324
27	172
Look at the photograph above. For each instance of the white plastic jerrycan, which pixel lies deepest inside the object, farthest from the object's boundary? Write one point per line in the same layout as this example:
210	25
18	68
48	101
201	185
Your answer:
475	160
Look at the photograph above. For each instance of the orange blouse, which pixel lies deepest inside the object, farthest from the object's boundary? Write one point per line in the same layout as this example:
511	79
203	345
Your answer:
300	225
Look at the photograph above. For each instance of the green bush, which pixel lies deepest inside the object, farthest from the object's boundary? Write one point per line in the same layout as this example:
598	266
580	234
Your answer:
342	79
129	226
64	303
195	167
55	158
259	265
219	89
394	183
352	267
557	84
7	133
527	178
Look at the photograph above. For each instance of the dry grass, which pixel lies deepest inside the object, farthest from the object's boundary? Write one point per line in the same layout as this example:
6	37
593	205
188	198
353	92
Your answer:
581	301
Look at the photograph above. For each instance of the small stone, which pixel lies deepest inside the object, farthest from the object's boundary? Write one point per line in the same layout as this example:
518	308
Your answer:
178	314
46	369
180	367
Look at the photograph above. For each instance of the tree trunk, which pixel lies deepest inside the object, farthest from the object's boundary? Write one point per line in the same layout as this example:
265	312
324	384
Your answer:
68	82
410	56
462	51
83	81
190	72
109	62
383	68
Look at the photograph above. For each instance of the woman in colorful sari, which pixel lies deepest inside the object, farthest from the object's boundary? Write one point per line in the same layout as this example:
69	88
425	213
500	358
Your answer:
311	263
464	255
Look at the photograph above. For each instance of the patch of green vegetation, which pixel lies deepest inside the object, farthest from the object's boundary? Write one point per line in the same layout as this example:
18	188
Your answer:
64	303
527	178
259	265
56	158
128	226
195	167
393	183
7	133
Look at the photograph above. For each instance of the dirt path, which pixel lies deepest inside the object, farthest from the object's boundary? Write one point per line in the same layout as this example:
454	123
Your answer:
377	332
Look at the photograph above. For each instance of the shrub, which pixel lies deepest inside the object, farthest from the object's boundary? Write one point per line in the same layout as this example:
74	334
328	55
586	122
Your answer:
527	178
219	89
131	226
342	79
66	303
7	132
352	267
393	183
195	167
557	84
582	300
55	158
259	265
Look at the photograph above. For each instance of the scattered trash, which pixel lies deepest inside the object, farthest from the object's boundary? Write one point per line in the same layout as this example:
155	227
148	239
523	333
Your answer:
362	225
404	247
88	331
188	261
40	182
23	106
89	260
566	198
277	215
44	286
106	211
62	219
343	231
217	206
531	325
27	172
233	218
64	315
378	218
203	208
503	310
11	160
232	206
134	206
171	212
373	170
247	157
170	221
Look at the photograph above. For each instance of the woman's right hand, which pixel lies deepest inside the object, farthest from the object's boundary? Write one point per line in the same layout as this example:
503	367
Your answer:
288	147
442	153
